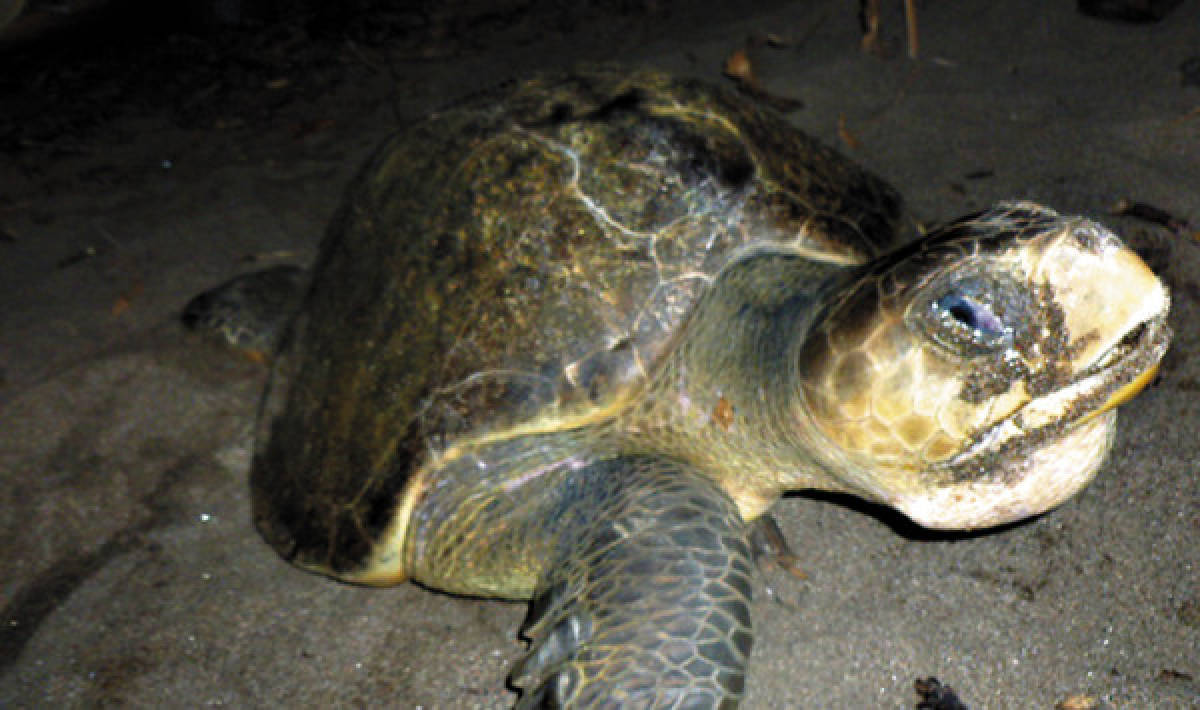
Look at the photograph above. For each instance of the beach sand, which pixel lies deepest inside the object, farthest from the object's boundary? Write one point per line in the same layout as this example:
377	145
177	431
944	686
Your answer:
132	576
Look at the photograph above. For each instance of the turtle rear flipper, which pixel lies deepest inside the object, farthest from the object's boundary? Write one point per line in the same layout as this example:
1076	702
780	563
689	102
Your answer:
649	607
248	312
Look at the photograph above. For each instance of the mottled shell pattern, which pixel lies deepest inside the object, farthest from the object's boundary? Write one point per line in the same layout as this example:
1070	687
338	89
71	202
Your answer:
530	257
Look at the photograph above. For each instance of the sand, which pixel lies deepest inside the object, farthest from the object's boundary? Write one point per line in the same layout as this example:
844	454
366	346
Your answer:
131	573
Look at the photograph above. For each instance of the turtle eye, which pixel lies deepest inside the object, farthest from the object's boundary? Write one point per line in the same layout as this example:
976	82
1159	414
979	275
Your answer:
972	309
967	322
971	314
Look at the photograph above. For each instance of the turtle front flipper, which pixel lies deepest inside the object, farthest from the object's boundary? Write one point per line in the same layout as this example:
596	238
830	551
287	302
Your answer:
649	606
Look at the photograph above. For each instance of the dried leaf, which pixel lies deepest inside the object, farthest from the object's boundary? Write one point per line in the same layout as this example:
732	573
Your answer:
126	299
738	67
1077	701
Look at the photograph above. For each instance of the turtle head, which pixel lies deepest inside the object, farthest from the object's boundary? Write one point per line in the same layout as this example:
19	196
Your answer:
971	379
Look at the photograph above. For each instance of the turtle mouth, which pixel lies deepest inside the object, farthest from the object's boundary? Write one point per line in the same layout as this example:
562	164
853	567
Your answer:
1045	452
1138	339
1111	379
1131	364
1118	373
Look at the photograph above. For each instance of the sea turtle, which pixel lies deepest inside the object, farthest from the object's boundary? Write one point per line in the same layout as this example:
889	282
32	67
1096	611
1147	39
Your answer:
569	341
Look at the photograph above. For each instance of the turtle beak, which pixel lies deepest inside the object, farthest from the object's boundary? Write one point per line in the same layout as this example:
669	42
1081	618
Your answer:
1114	310
1124	394
1107	293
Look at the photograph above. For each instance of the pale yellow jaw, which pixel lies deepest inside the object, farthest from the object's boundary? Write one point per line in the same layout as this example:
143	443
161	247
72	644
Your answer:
1049	476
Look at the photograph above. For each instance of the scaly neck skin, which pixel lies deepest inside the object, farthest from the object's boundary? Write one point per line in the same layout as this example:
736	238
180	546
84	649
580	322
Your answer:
484	519
725	398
